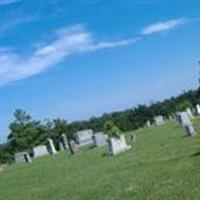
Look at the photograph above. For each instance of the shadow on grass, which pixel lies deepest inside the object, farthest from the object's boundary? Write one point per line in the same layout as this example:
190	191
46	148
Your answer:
92	147
196	154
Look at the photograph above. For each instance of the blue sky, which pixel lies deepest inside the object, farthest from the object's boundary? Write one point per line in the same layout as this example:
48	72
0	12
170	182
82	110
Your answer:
81	58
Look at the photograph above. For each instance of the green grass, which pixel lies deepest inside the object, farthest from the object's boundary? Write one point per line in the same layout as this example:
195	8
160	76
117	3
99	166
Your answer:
164	164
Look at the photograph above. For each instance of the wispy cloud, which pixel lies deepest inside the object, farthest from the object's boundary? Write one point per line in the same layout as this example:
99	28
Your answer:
9	24
163	26
68	41
6	2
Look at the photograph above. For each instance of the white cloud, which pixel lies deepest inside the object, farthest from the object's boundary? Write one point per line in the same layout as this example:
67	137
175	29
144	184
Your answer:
5	2
68	41
163	26
7	25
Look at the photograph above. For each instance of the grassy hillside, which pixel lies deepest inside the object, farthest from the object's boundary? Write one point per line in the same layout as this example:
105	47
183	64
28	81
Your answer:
163	164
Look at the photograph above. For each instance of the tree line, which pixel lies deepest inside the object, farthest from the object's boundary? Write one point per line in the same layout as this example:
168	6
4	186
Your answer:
25	132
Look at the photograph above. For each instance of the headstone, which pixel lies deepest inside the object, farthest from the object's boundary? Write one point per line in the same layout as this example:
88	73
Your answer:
51	147
159	120
22	157
190	130
63	143
183	118
148	124
99	139
73	147
170	117
84	137
117	145
189	112
198	109
39	151
186	123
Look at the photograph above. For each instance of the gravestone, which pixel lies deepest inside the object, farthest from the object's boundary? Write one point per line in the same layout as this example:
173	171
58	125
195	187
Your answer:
148	124
198	109
189	112
50	147
183	119
190	130
63	143
99	139
159	120
186	123
22	157
73	147
117	145
39	151
84	137
170	118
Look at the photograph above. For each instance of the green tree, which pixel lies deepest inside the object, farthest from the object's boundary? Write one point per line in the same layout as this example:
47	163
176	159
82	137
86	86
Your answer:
111	129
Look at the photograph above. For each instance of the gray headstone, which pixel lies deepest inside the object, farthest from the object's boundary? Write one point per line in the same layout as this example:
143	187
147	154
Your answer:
51	147
99	139
39	151
190	130
22	157
84	137
183	118
63	143
73	147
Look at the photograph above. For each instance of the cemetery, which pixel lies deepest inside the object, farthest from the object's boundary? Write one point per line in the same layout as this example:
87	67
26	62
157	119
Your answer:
99	100
130	174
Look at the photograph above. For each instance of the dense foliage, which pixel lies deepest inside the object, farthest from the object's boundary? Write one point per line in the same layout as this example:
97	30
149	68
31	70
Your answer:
26	132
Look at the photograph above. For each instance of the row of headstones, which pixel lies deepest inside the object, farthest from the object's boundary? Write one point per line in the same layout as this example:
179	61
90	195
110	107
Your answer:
160	120
116	145
183	118
82	138
38	151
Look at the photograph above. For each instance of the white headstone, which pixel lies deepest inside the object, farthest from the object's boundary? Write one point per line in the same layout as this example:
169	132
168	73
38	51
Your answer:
148	124
189	112
51	147
84	137
117	145
198	109
159	120
39	151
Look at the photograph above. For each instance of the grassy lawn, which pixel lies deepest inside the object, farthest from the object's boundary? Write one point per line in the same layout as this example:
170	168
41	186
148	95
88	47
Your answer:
164	164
